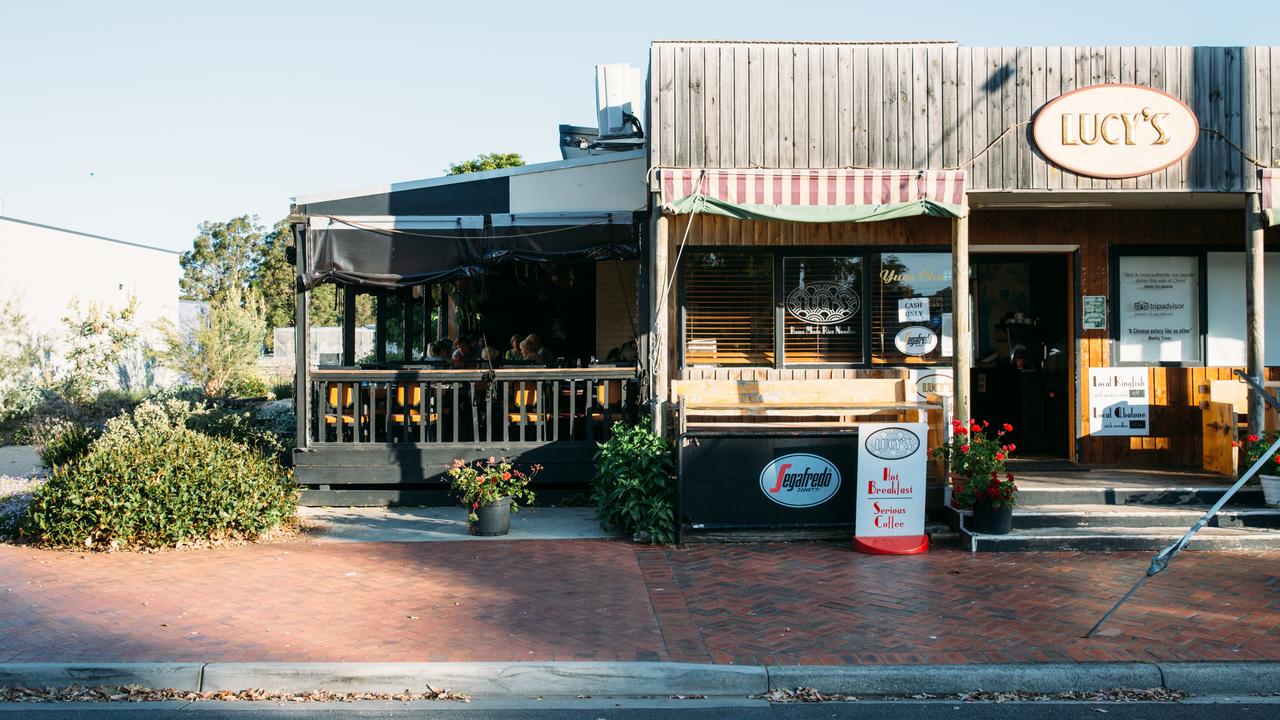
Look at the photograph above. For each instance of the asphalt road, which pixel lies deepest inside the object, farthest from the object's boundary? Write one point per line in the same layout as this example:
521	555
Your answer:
1246	709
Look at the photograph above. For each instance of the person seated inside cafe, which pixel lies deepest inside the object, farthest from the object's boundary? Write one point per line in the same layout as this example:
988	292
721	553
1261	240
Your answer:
438	351
513	353
532	350
464	352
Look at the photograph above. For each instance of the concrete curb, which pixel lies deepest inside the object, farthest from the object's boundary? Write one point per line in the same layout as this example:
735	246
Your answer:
1235	678
179	676
497	679
951	679
527	679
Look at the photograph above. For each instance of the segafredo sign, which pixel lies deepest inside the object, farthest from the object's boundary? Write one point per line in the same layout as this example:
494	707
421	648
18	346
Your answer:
889	518
800	480
1115	131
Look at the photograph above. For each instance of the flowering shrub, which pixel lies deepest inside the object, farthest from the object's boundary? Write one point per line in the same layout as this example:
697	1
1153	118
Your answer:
487	481
978	459
1252	448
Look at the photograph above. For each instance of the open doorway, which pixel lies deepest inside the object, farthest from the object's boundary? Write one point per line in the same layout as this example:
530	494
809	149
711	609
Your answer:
1022	355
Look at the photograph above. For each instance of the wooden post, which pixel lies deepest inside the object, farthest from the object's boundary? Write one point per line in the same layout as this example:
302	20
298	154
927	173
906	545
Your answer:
660	377
409	340
1254	295
380	329
962	340
349	325
301	363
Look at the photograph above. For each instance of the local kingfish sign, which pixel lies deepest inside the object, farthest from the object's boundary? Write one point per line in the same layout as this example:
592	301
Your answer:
1115	131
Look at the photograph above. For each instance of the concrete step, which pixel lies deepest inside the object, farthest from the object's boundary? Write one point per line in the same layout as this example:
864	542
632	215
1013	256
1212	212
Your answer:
1119	538
1042	495
1183	516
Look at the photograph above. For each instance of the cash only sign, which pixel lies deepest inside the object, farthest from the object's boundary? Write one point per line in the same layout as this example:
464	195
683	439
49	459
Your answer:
889	519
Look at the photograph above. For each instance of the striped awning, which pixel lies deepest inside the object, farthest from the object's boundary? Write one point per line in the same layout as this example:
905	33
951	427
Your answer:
1271	196
813	195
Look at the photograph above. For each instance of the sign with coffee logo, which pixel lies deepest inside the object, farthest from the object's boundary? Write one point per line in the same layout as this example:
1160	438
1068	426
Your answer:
915	340
1115	131
800	480
891	476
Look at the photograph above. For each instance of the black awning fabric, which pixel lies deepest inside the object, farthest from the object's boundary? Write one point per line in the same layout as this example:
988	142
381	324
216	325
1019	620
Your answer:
390	258
539	244
384	258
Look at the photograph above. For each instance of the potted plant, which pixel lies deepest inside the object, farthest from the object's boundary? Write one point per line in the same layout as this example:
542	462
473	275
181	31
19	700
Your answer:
1251	449
976	461
493	489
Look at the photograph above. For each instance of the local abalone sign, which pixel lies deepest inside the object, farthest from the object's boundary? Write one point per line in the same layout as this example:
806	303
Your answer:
1115	131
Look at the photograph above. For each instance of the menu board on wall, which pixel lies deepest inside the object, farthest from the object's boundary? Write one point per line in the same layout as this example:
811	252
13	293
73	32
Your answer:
1119	401
1159	309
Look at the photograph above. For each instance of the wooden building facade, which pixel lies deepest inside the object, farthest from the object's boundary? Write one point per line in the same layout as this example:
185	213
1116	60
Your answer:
1055	260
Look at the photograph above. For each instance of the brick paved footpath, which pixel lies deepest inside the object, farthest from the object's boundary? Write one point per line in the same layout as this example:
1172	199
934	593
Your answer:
610	600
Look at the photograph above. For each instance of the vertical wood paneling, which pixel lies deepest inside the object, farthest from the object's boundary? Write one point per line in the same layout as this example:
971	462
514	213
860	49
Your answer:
938	105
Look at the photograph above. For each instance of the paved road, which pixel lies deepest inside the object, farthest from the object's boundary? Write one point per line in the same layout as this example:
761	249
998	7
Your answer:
687	710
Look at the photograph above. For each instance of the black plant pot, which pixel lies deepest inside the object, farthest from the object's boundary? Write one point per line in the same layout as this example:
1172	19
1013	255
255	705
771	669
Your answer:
991	521
493	518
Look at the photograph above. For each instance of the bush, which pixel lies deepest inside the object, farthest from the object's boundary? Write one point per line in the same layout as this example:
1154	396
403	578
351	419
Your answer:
246	385
634	488
151	481
282	390
59	441
262	430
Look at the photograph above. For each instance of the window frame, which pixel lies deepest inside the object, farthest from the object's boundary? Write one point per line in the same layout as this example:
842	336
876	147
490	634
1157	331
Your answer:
779	253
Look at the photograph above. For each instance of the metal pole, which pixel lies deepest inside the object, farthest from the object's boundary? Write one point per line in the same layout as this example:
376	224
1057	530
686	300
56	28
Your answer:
1165	556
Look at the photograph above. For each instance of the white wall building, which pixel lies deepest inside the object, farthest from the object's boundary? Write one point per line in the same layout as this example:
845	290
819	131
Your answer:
45	268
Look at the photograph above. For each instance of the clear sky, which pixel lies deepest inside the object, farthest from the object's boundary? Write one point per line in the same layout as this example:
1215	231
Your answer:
138	120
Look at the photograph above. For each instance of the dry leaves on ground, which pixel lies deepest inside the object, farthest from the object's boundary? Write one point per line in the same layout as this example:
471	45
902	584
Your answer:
137	693
804	694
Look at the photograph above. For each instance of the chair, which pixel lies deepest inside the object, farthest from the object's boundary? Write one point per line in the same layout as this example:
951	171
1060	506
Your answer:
524	399
413	416
335	411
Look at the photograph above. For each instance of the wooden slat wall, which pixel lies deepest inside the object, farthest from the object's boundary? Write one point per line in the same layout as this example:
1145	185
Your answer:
788	105
615	304
1177	392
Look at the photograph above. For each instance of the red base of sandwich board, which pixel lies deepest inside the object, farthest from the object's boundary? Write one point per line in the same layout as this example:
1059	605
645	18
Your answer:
900	545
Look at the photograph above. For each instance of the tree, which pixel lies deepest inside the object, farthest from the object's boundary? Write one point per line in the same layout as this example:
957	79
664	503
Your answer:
224	255
225	344
486	161
101	342
273	277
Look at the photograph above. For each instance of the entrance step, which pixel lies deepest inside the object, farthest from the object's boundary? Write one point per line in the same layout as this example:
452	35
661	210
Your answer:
1137	516
1041	495
1119	538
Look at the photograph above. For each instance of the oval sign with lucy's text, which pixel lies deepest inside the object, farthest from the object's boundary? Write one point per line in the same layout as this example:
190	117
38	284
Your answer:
1115	131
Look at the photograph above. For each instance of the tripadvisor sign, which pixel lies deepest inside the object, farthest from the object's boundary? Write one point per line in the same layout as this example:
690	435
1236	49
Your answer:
1115	131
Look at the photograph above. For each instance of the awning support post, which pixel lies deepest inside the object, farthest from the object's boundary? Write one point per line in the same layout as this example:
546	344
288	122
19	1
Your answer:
962	342
1254	296
301	363
660	372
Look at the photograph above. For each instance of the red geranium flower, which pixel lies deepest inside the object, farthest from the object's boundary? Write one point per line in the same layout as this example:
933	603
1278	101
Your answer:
1008	427
999	456
1253	438
965	449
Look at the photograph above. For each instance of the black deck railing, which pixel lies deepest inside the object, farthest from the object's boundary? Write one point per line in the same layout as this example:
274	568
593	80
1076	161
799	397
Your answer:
515	405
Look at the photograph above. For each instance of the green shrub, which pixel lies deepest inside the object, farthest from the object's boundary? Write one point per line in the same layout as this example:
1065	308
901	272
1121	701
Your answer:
246	385
244	426
634	488
282	390
152	481
59	441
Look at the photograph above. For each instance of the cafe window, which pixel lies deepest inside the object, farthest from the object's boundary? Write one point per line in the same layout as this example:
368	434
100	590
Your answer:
911	308
728	308
822	310
1158	308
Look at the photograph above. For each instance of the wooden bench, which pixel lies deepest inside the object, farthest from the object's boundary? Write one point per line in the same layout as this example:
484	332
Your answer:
760	404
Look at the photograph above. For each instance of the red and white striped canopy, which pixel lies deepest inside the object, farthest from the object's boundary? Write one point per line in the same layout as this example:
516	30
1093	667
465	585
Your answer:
814	187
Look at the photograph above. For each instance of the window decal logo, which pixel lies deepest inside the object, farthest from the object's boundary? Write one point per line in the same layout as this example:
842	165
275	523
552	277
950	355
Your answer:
823	303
